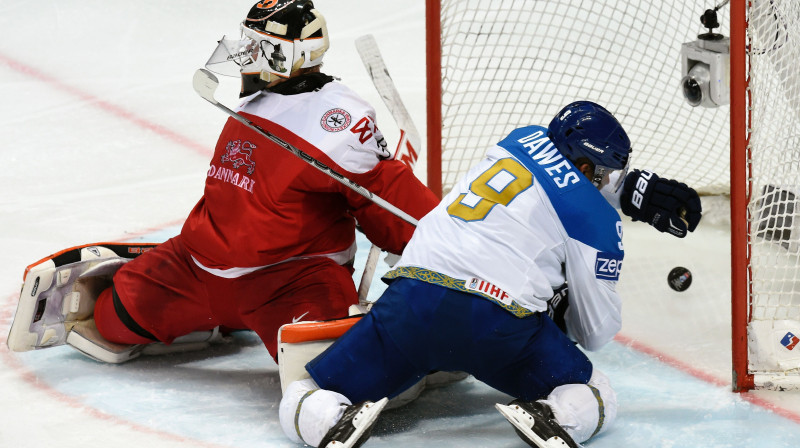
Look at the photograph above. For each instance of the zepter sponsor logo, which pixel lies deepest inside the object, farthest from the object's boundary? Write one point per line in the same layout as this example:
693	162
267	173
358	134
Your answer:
608	265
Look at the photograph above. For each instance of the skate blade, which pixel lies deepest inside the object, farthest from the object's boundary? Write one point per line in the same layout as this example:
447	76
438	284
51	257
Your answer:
524	422
362	422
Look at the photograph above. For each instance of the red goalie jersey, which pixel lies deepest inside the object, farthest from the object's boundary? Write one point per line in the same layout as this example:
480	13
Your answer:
263	205
271	239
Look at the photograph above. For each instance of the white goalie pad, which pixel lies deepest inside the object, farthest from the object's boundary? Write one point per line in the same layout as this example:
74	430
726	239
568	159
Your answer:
300	342
85	338
54	298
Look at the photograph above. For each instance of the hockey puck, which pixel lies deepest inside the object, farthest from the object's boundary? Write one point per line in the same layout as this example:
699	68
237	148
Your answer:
679	279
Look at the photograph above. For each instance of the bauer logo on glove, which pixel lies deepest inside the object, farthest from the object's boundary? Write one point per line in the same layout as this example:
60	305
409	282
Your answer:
666	204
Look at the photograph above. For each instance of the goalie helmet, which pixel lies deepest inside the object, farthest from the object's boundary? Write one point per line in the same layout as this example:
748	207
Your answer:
584	129
286	35
279	37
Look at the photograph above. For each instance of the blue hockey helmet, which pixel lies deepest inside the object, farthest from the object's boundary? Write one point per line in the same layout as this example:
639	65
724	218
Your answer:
586	129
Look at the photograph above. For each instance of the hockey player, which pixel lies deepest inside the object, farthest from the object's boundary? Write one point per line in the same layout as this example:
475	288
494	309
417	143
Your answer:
471	290
272	239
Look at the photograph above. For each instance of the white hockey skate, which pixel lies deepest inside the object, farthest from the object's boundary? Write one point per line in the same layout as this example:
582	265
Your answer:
355	426
535	424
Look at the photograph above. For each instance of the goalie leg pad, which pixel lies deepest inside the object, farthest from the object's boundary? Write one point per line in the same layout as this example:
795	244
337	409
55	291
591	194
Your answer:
300	342
192	342
85	338
57	295
58	299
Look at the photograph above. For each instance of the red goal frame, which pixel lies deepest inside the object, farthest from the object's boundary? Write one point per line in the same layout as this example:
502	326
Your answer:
740	104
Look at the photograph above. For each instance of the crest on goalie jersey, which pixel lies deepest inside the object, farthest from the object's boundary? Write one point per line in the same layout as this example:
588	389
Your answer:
240	154
335	120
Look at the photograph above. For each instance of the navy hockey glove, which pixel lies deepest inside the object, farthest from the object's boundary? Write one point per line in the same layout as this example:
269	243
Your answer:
557	307
666	204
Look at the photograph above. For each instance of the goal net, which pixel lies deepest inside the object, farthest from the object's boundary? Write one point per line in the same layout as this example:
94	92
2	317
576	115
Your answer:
508	63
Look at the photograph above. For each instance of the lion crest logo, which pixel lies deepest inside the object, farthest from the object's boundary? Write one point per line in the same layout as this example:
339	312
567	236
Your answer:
240	154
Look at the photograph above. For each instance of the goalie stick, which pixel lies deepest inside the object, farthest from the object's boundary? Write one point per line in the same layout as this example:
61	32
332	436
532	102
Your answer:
205	84
407	150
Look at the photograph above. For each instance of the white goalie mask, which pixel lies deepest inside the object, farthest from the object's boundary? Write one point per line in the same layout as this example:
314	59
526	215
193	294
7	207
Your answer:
278	38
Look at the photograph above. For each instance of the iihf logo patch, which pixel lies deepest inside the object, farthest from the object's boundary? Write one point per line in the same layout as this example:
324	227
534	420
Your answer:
335	120
486	288
790	341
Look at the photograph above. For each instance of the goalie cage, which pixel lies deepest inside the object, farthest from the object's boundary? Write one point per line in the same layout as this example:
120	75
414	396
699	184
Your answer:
496	66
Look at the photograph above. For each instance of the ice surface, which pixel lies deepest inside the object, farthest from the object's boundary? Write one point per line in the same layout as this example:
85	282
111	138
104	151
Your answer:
103	138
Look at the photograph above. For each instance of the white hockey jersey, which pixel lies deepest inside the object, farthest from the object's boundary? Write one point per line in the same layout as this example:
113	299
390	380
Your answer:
517	226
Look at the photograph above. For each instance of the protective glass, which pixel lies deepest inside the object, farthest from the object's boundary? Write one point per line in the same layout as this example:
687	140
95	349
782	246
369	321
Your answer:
609	180
252	53
233	57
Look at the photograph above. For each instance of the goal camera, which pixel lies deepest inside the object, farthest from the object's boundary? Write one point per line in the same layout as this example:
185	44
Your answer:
705	66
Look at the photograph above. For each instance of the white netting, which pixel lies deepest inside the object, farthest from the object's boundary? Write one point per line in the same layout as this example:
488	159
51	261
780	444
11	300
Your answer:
509	63
774	44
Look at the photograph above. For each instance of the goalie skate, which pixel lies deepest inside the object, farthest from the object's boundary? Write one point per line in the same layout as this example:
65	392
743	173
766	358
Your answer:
535	424
59	291
355	426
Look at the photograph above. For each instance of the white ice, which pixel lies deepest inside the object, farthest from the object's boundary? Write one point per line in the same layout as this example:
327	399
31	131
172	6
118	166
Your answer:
103	139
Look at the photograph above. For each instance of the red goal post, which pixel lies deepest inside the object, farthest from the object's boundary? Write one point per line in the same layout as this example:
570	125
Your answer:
494	66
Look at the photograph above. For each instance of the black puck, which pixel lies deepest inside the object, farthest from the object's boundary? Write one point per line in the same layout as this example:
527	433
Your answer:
679	279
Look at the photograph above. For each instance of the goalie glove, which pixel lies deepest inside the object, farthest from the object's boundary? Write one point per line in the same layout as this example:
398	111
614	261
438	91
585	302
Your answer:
666	204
